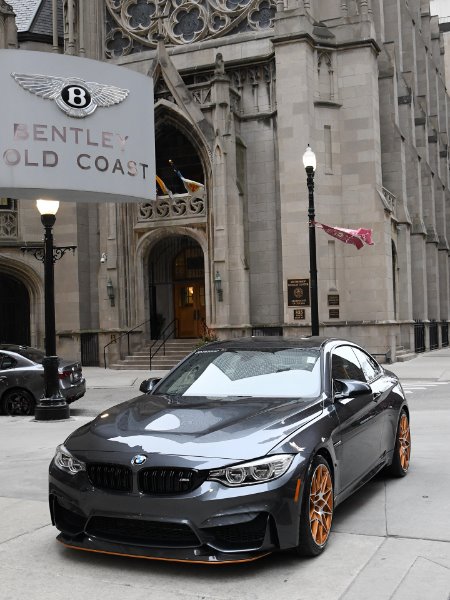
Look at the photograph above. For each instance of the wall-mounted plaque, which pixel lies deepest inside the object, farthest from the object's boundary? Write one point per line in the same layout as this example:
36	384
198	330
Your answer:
299	313
333	313
298	292
333	299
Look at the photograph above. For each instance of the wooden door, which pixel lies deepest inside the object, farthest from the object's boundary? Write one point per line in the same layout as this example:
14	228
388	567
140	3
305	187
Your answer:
190	308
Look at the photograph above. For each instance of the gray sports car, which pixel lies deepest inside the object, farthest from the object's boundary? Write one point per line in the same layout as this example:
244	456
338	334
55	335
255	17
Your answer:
246	447
22	379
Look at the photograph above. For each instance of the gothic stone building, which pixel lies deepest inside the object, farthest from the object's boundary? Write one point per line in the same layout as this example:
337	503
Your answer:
241	88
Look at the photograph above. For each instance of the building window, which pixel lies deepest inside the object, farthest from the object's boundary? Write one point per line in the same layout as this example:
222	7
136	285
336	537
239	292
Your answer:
8	218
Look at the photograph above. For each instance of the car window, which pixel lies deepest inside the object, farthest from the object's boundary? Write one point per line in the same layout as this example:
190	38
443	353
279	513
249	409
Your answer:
282	373
345	365
369	366
7	362
33	354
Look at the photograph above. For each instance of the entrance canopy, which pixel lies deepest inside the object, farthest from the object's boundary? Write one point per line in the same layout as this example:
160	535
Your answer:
75	129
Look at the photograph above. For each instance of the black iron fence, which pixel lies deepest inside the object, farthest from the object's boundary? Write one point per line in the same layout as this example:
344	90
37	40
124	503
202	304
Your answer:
434	335
89	350
419	336
444	334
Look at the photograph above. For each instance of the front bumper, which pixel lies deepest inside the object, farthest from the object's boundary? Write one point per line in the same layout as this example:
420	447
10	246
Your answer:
211	524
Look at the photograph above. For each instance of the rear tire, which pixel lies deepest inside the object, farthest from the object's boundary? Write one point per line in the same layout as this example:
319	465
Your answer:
402	450
17	403
317	509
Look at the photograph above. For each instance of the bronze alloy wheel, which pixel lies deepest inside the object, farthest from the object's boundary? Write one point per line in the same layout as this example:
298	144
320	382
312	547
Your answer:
404	442
321	504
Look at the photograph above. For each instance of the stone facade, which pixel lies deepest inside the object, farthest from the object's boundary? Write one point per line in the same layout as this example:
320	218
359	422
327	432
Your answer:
240	91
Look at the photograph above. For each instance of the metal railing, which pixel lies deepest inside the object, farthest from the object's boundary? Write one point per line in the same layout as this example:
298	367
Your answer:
434	335
444	334
419	336
115	340
168	331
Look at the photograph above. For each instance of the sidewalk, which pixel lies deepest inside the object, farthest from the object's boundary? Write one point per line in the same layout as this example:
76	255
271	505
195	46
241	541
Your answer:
100	378
433	365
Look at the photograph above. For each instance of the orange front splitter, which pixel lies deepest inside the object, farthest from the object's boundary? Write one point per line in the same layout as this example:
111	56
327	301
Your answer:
177	560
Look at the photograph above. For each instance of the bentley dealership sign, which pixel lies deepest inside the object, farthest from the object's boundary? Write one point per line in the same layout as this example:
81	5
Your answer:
74	129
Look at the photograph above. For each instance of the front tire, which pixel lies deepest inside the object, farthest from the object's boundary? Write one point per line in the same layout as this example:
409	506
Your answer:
402	451
317	509
18	403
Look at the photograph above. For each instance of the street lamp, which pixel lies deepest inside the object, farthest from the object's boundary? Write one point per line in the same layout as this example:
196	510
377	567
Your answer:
53	405
309	162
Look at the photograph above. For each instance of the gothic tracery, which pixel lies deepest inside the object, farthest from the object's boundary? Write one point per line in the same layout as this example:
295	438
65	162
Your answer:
134	24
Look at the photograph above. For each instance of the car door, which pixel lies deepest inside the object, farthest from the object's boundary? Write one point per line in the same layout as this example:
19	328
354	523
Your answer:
360	423
7	363
382	386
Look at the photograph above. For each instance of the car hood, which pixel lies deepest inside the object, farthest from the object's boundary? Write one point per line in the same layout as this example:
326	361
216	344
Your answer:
230	428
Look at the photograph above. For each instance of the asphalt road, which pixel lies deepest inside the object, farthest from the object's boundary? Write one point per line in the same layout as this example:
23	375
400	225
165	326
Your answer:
391	540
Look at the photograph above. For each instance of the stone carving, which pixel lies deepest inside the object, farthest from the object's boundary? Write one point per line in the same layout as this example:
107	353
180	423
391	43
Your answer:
250	86
5	8
164	207
132	25
8	224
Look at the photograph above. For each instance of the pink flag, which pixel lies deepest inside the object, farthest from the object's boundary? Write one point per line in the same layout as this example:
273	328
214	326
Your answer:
357	237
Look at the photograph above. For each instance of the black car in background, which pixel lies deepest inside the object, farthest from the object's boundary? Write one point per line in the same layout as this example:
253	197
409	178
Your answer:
246	447
22	379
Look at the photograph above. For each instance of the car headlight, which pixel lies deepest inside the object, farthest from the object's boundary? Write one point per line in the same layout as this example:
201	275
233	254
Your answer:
68	463
256	471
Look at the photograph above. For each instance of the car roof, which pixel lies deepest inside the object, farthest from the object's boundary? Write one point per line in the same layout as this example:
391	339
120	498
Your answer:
268	342
16	347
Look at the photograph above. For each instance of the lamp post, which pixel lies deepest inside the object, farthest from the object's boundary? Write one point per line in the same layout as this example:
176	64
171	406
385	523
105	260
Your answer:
53	405
309	162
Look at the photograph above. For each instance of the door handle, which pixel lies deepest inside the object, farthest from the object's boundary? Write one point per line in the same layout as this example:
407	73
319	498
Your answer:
376	395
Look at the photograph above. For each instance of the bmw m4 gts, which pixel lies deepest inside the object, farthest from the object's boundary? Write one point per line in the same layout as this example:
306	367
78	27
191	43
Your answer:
246	447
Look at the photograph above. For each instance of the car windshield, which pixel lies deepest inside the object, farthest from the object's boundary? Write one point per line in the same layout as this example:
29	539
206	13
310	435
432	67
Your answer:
33	354
282	373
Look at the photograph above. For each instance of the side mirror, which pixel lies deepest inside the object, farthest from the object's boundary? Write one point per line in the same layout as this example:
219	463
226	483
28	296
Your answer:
350	388
149	384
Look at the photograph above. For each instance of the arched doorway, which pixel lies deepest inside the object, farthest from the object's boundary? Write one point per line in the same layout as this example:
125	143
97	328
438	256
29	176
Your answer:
14	311
176	276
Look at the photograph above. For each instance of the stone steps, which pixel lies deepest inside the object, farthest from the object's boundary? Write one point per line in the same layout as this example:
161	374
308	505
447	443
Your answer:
403	355
175	351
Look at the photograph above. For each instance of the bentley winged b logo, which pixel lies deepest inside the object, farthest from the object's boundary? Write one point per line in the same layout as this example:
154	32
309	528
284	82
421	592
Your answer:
74	96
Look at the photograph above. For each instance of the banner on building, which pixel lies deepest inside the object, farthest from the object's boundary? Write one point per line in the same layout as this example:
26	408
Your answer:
75	129
357	237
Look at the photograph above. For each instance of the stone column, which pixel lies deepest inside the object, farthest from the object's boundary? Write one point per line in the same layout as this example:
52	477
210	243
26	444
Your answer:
228	215
93	15
295	68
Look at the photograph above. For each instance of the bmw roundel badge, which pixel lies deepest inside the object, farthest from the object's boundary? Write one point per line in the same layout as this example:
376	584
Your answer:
139	459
